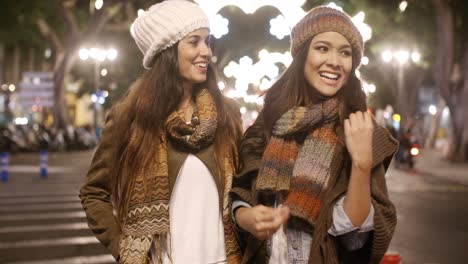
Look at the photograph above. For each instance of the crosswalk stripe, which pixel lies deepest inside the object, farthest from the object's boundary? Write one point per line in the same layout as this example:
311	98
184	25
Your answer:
75	260
32	200
42	221
40	207
50	242
31	186
35	169
20	194
41	216
48	227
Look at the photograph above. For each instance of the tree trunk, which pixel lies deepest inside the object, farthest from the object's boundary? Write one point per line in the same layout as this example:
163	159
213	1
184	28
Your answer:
464	111
453	95
2	62
445	49
66	54
409	96
16	65
435	123
459	140
61	117
63	64
459	112
410	77
31	59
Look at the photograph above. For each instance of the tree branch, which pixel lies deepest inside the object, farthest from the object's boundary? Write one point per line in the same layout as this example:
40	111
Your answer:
99	20
47	32
130	11
67	11
464	71
120	27
69	3
444	52
123	26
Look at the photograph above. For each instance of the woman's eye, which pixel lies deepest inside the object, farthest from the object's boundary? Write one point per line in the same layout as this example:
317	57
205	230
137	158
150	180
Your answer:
321	48
346	53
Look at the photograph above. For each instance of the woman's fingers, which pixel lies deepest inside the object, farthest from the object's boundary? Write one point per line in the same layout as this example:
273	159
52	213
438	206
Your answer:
368	120
283	213
358	137
262	221
269	228
264	235
272	219
347	126
357	120
268	225
265	215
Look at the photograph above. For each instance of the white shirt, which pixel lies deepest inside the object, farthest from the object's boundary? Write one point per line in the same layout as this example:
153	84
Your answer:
197	232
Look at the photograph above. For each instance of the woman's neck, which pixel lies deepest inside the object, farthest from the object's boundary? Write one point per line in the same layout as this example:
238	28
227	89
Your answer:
188	90
187	103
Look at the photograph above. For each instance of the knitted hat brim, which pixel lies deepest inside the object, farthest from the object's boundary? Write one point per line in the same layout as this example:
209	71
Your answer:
166	43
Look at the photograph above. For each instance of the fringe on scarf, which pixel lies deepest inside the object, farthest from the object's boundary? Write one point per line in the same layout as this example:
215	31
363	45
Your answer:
233	254
137	250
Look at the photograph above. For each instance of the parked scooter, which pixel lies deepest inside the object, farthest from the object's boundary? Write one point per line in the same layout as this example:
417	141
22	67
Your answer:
407	152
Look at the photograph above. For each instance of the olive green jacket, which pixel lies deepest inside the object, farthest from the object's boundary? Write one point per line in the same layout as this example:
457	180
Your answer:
95	193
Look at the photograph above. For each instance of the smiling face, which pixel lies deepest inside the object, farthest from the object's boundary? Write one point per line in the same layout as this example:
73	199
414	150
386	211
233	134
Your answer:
193	56
329	62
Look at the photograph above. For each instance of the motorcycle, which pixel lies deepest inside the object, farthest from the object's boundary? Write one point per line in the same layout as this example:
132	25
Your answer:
407	156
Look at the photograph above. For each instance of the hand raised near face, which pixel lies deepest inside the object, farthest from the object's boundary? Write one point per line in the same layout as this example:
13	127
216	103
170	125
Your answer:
358	129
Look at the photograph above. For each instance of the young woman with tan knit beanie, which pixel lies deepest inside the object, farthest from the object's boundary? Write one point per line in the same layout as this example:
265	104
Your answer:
168	151
312	185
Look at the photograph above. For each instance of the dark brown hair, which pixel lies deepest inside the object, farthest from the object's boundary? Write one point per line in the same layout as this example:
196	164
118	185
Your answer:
292	89
141	118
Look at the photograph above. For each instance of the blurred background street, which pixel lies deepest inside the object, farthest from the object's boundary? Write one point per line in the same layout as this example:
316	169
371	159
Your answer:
41	220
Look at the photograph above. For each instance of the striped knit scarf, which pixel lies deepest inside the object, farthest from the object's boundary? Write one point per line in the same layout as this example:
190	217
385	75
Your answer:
301	170
148	214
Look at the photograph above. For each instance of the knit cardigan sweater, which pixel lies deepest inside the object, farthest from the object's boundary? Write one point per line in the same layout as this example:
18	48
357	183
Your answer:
331	250
95	193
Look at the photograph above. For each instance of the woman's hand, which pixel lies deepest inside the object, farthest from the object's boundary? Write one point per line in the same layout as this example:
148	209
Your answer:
358	135
358	130
261	221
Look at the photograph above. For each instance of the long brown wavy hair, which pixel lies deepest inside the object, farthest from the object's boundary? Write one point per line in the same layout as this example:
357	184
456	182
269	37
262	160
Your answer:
142	113
292	89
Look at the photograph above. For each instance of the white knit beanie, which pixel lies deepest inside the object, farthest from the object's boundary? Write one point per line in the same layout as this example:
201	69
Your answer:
165	24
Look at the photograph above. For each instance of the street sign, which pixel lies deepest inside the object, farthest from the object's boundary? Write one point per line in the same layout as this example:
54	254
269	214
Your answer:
36	89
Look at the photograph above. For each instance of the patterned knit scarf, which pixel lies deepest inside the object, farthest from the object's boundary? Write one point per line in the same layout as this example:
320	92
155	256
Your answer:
301	170
148	214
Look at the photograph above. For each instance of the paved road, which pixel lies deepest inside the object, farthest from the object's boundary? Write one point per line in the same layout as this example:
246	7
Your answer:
41	220
432	206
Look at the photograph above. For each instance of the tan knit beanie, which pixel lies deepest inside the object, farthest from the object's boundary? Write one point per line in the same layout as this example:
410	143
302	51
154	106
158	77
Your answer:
165	24
323	19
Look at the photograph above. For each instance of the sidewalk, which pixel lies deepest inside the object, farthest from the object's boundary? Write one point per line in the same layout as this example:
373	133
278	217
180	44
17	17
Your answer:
430	201
24	168
431	162
431	173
